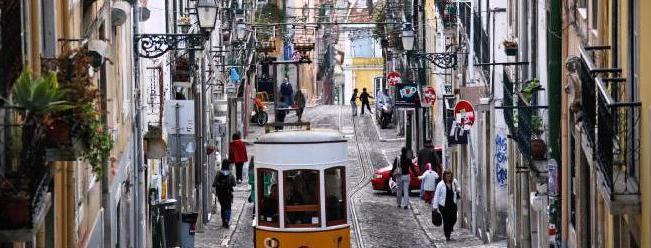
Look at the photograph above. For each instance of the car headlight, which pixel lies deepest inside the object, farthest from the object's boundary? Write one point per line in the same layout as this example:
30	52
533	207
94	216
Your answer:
378	176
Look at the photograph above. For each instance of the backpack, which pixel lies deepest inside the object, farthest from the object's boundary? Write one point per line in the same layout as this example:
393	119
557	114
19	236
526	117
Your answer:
222	184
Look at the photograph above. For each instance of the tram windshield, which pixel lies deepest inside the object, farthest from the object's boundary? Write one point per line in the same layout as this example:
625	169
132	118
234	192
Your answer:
301	191
268	197
335	194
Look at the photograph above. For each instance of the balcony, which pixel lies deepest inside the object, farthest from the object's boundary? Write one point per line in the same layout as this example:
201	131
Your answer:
520	116
611	123
24	189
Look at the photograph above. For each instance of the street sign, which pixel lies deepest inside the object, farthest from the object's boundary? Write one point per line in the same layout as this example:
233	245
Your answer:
464	114
393	78
183	110
429	96
407	95
230	87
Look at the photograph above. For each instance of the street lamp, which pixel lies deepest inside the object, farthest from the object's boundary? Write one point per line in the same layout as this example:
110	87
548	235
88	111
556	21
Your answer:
241	30
207	14
407	37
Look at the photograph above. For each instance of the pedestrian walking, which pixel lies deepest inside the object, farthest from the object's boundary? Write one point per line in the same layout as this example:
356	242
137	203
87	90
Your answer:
237	154
353	102
281	113
287	92
427	155
445	201
428	183
251	177
405	165
224	183
365	102
299	100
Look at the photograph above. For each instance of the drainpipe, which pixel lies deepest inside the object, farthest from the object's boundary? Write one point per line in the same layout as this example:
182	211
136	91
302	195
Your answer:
138	163
554	58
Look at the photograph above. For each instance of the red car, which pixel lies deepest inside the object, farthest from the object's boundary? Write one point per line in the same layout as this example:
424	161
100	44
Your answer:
380	180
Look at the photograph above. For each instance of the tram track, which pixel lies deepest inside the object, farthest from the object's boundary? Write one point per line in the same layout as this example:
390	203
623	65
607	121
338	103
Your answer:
366	167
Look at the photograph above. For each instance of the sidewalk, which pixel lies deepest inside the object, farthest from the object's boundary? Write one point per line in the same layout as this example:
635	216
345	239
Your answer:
214	235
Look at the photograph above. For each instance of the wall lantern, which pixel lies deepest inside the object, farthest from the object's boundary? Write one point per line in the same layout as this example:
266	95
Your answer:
207	14
407	37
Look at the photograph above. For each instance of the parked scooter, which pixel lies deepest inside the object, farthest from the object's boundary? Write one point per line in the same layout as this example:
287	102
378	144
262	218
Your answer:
386	114
259	115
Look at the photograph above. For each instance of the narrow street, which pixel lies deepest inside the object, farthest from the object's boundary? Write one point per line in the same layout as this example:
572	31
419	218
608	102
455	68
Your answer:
375	220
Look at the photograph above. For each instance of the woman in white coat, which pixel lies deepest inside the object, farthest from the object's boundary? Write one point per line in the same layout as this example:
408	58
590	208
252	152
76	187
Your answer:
445	200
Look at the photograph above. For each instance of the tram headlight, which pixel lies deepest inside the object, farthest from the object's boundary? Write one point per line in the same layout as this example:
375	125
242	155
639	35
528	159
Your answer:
378	176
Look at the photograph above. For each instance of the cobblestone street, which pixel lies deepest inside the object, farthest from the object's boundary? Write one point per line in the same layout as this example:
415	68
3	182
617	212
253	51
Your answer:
376	221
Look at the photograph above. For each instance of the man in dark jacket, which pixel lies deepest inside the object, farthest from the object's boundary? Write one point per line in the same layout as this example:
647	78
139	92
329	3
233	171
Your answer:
364	98
224	183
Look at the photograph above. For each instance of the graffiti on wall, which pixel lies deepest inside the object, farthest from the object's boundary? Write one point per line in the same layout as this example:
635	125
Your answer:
501	159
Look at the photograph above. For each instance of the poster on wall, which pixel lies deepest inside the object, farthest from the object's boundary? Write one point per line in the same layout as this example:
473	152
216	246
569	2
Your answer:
406	95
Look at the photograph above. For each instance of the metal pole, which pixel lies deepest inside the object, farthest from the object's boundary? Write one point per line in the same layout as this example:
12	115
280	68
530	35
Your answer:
197	131
203	174
137	166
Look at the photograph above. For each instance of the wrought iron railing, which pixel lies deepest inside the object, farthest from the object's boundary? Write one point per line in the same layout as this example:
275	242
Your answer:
588	100
23	187
611	119
507	100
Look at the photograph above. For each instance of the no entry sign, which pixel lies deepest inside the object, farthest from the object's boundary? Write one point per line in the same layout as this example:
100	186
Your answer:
393	78
429	96
464	114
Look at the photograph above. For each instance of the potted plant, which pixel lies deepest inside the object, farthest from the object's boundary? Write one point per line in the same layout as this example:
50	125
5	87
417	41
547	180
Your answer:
538	145
510	47
88	132
529	88
184	22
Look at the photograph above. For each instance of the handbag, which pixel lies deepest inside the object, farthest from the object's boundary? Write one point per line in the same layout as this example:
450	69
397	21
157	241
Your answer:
437	219
393	185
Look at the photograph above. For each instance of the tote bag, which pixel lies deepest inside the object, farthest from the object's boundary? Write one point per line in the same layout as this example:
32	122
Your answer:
437	219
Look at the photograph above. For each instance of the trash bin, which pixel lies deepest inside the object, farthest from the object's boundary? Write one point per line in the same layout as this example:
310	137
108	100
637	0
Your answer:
171	222
188	228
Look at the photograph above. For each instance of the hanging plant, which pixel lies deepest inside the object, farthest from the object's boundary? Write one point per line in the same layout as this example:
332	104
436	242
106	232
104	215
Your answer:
87	129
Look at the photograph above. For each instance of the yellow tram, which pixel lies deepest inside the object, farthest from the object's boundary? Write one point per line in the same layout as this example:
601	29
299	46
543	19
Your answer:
301	190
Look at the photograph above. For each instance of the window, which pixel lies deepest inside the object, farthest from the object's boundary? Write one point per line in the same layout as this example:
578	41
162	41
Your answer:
335	196
301	192
594	13
267	192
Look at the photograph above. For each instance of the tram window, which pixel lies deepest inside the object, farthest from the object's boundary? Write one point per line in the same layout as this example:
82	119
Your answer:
335	193
267	191
301	191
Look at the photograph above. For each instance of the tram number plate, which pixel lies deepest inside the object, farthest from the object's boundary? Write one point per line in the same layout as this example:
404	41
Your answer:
271	243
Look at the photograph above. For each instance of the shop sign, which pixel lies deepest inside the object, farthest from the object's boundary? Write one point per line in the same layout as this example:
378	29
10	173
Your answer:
407	95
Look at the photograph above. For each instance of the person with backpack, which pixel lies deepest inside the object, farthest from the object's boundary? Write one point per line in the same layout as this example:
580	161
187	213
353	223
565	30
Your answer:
224	183
237	154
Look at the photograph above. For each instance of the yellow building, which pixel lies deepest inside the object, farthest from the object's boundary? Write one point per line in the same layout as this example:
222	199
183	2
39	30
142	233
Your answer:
606	187
367	73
